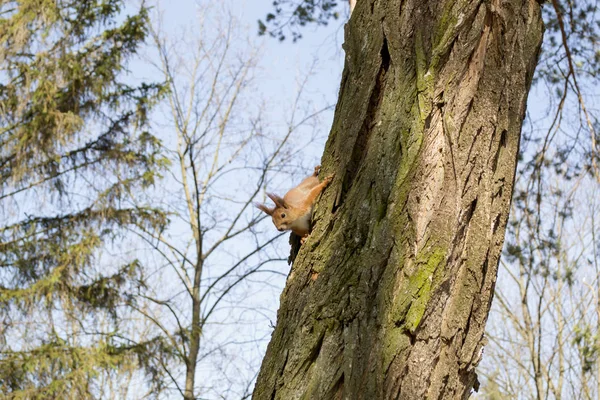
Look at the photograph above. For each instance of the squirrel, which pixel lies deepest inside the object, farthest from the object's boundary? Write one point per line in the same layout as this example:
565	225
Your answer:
294	211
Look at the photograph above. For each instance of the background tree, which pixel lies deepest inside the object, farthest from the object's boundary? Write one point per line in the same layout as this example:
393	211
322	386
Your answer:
73	145
289	16
390	295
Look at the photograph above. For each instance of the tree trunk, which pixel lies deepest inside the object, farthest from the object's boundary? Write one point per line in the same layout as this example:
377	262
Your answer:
389	297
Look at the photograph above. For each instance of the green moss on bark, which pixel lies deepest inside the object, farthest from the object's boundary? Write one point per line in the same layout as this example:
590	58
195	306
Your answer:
423	279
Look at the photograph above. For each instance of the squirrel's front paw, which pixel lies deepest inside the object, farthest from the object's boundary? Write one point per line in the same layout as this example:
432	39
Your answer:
328	179
303	239
317	169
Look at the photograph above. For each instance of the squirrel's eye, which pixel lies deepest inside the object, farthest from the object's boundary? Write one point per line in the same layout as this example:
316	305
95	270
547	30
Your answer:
283	215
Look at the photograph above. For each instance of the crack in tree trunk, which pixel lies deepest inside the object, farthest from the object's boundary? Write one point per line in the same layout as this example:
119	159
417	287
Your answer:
424	145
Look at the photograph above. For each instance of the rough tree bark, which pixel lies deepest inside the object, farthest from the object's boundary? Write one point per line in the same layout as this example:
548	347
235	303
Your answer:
389	297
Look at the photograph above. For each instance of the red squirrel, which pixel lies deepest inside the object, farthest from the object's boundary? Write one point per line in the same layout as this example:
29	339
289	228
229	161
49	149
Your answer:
294	210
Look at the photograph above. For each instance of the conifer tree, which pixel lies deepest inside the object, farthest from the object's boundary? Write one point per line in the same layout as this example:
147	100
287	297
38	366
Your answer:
73	147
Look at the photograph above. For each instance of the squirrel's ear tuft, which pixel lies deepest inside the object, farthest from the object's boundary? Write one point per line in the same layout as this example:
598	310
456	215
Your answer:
264	208
279	202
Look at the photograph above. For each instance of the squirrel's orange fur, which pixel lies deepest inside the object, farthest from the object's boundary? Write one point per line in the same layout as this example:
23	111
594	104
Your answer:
294	210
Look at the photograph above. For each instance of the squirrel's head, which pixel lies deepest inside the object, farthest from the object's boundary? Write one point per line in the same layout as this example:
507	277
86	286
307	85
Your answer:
282	214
